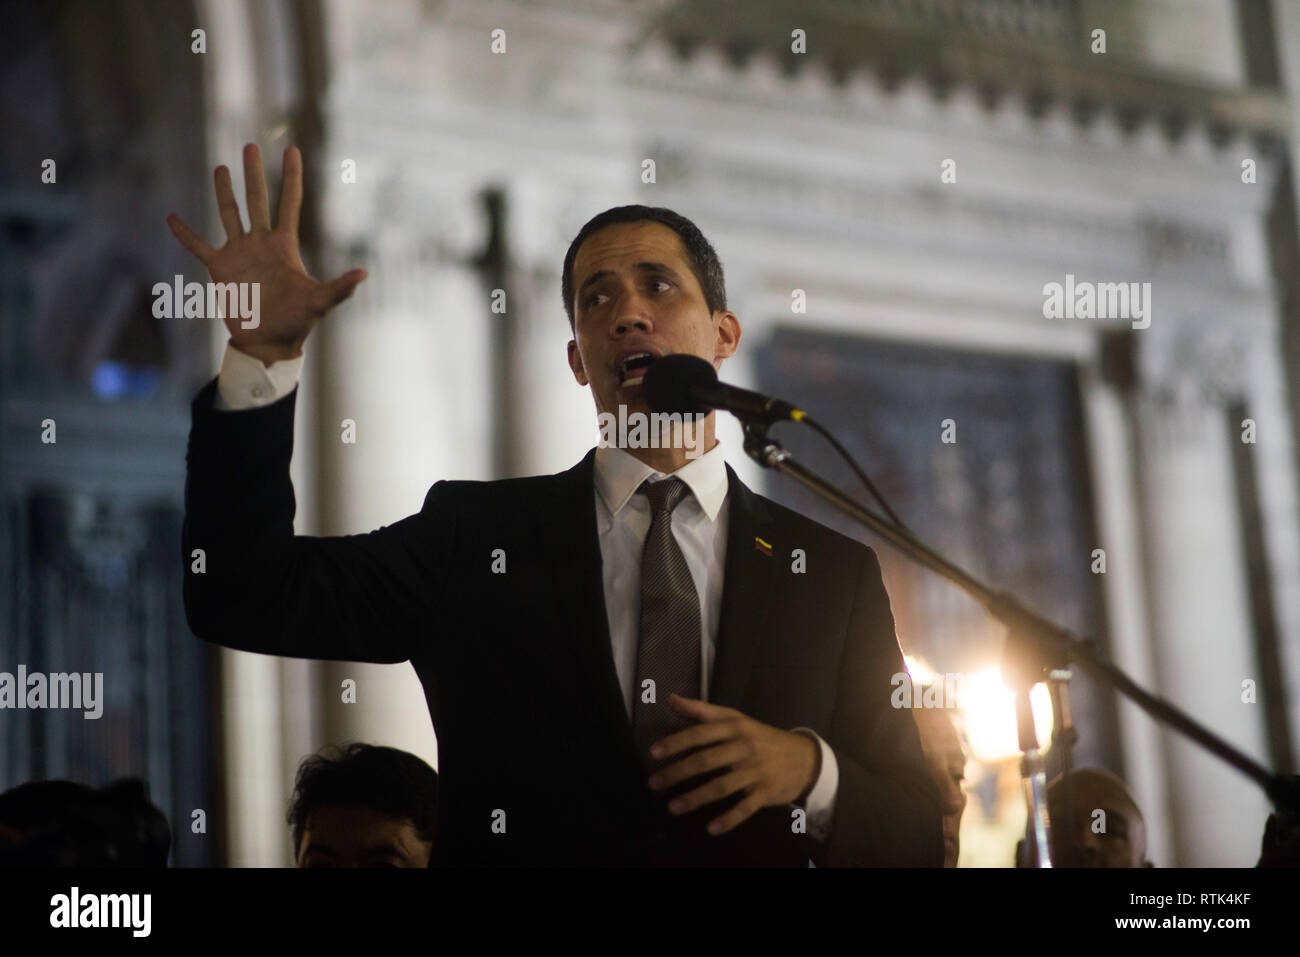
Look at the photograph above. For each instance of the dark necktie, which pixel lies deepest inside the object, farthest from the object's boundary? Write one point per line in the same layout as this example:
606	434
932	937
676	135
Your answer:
668	649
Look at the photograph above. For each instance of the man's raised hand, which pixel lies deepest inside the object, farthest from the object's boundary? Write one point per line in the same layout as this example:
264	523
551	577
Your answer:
291	302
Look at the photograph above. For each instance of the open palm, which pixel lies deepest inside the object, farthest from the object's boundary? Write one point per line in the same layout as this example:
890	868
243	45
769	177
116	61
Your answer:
291	302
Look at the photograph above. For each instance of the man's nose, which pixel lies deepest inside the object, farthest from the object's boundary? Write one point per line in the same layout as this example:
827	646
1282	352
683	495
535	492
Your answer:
624	326
1089	844
633	312
639	321
954	801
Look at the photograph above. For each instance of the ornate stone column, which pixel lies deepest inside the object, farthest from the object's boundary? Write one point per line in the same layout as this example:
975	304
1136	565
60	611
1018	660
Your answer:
1195	576
402	395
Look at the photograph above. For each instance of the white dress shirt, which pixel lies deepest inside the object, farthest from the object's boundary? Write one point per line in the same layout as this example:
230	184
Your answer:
622	523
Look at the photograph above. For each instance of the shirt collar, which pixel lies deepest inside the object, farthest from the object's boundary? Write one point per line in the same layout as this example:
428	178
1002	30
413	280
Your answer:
618	475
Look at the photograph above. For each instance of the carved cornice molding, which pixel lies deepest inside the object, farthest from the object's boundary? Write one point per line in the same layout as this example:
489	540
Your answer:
996	47
1192	363
403	207
1143	245
1226	123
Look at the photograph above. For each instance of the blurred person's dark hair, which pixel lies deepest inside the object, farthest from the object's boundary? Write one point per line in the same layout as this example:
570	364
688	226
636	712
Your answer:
388	781
700	255
1280	846
64	824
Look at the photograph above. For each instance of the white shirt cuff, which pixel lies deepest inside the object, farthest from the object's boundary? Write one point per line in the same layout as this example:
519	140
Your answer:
245	383
821	799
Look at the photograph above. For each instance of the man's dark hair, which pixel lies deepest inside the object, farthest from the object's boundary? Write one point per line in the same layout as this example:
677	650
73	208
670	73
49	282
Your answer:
66	824
699	252
385	780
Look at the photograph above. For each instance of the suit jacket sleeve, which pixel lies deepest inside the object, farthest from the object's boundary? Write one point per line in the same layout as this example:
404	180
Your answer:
260	587
886	809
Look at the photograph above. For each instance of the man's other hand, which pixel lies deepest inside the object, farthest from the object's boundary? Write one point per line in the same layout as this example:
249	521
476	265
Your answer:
769	765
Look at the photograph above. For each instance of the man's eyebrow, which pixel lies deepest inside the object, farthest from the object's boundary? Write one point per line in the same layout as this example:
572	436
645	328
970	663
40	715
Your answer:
642	266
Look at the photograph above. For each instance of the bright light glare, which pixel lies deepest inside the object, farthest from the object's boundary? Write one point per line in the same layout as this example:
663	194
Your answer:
918	670
988	707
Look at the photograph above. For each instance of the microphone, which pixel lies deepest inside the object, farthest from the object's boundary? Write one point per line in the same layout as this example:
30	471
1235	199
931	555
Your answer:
686	384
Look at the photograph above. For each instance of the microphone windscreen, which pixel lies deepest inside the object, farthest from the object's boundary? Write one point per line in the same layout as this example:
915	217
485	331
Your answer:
668	382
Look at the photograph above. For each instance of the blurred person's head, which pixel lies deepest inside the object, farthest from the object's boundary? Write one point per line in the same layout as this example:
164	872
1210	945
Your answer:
364	806
1280	846
65	824
642	279
1095	821
946	762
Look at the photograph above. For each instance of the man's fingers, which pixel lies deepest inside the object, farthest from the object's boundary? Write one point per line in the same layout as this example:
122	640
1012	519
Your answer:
695	735
737	815
189	239
226	205
290	192
715	790
334	292
701	710
701	762
259	210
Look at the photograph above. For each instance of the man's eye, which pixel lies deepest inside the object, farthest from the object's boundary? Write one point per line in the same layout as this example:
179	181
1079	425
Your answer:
665	282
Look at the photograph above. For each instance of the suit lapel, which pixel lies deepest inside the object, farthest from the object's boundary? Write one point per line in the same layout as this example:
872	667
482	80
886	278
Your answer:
745	591
568	519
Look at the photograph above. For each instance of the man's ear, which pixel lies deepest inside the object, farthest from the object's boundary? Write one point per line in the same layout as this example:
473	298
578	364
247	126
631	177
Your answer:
575	363
727	336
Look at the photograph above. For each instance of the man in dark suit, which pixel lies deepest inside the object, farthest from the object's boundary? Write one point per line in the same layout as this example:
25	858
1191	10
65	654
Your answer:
636	661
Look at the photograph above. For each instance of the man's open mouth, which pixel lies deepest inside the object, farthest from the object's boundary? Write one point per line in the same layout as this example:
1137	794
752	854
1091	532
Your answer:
632	369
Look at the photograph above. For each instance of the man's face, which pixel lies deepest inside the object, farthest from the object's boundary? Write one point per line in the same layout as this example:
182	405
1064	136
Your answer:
634	294
947	764
360	837
1076	838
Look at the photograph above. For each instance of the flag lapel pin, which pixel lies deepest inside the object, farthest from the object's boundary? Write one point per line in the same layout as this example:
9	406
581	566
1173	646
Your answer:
762	546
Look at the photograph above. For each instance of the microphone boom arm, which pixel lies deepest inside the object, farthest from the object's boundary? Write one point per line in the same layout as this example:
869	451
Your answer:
1036	646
